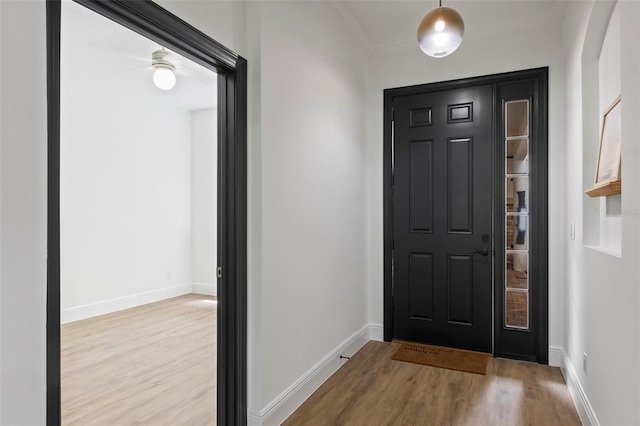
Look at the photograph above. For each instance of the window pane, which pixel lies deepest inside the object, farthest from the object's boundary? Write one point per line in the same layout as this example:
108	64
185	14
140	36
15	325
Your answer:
517	237
517	119
517	271
517	156
517	195
517	309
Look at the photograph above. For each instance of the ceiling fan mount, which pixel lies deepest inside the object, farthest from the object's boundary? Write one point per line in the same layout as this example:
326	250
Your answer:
163	75
158	59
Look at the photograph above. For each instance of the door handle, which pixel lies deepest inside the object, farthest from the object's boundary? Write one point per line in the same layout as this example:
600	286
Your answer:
483	252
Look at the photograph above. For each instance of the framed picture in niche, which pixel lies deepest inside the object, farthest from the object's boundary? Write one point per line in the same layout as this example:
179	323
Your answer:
608	180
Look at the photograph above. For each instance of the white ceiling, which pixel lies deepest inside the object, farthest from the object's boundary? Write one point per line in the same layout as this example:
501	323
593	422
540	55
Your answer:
380	26
388	25
108	50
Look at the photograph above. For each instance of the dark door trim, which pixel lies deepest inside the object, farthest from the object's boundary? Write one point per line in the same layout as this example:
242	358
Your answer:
154	22
539	213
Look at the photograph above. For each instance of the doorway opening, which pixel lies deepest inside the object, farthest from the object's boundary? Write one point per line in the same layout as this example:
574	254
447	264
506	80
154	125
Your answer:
138	207
168	31
465	214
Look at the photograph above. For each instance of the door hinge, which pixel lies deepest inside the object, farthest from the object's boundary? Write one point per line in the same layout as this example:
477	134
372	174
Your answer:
219	271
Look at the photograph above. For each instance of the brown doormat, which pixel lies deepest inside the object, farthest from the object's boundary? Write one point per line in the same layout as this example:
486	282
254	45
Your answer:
438	356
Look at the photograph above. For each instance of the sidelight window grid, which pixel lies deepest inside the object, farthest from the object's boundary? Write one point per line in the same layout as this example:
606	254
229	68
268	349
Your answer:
516	212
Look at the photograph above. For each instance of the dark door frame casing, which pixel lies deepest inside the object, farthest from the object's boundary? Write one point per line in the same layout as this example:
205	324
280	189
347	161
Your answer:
539	212
157	24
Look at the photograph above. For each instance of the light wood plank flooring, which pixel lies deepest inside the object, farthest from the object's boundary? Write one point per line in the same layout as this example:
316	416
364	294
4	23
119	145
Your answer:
373	390
150	365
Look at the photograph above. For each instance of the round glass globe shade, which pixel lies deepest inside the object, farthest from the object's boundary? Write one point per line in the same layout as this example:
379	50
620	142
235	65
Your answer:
440	32
164	78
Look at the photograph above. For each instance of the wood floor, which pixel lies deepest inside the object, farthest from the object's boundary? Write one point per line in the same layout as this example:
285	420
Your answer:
150	365
155	365
373	390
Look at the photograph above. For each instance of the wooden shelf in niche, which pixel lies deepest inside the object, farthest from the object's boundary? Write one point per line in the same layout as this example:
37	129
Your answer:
605	189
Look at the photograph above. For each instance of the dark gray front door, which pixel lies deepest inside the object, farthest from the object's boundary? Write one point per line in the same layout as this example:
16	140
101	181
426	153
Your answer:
442	218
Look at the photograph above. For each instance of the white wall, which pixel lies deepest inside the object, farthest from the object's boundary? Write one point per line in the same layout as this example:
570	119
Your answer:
204	200
313	189
528	48
23	223
138	179
602	288
125	180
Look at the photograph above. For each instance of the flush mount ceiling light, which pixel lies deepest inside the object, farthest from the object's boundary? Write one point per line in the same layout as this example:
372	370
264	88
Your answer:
440	32
163	75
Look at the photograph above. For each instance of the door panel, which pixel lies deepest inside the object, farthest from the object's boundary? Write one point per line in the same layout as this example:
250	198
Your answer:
421	286
421	185
460	289
442	218
460	185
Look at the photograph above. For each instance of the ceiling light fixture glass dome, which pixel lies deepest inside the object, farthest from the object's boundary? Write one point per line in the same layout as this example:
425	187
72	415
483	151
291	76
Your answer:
440	32
163	76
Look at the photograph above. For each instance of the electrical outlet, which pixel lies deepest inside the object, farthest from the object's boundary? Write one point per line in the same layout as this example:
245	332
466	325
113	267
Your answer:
584	362
168	276
572	232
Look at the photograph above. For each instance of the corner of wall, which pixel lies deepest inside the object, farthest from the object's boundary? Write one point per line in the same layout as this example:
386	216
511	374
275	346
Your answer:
278	410
579	396
556	356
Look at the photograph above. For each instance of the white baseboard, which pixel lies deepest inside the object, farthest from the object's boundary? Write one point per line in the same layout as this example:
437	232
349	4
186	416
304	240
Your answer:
253	419
286	403
583	406
556	356
376	332
206	289
120	303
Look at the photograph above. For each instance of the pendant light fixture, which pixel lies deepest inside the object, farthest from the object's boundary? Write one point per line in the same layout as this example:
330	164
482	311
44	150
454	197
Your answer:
163	75
440	32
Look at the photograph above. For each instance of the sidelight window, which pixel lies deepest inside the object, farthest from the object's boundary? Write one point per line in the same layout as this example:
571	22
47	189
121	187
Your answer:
516	211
